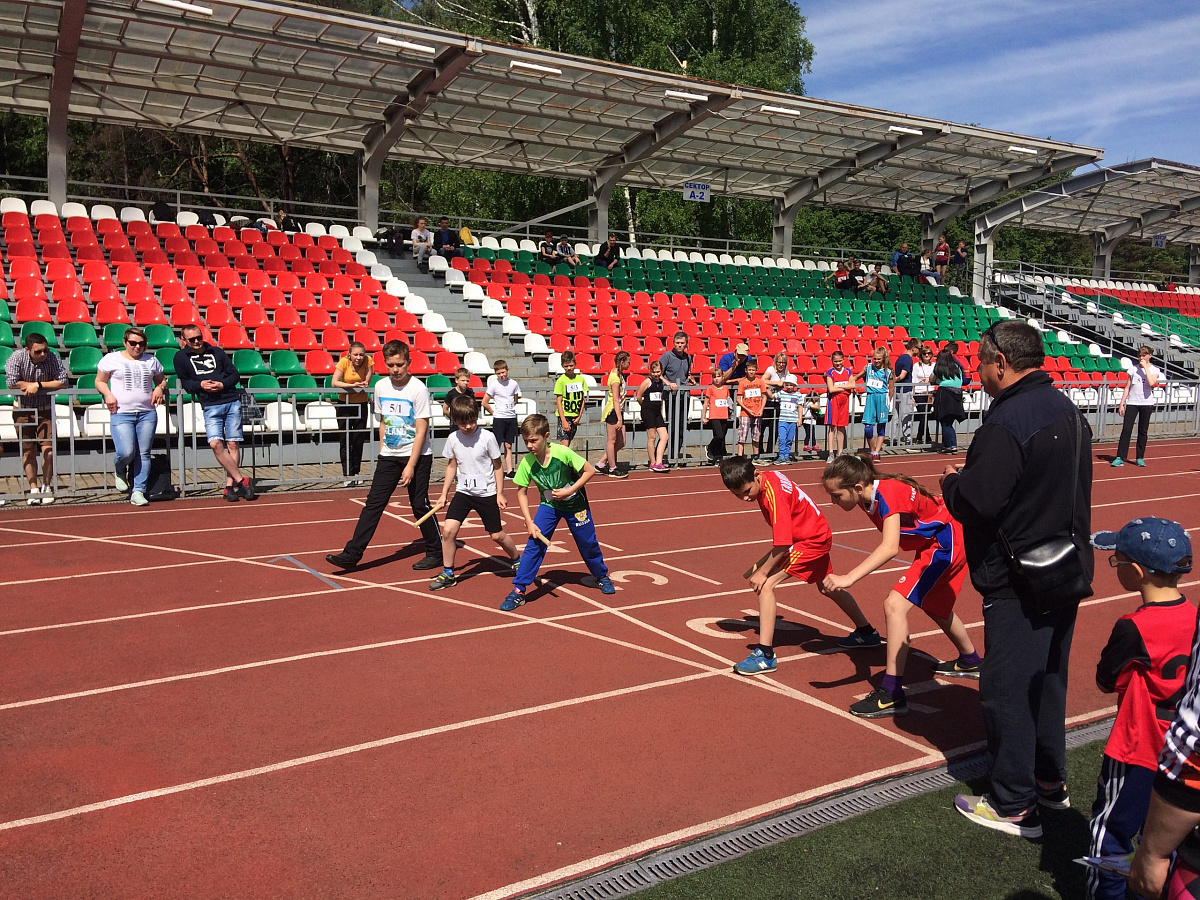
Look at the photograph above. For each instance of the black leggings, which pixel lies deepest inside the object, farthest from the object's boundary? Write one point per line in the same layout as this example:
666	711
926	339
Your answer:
1142	415
350	447
716	447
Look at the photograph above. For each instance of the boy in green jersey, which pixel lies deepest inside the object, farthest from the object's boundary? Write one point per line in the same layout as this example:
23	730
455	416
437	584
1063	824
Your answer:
570	393
558	474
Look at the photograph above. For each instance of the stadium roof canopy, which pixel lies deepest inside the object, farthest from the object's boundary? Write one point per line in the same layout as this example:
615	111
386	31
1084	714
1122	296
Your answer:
285	72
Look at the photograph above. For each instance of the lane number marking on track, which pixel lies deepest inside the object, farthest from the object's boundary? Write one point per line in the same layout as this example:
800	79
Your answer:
735	629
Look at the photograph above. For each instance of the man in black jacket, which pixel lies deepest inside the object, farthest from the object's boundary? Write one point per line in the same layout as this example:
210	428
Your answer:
446	240
208	373
1019	478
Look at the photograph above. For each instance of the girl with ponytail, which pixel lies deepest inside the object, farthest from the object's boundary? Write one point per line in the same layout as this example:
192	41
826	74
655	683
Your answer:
910	518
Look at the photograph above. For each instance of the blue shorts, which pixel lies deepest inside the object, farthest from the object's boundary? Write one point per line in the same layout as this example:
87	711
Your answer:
875	411
223	421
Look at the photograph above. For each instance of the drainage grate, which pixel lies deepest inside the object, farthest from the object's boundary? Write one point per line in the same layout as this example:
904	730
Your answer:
629	878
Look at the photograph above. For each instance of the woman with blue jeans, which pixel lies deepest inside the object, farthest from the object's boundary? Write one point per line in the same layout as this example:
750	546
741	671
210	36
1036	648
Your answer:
132	383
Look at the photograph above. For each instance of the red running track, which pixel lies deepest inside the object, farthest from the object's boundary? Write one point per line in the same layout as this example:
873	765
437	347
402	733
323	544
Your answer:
189	713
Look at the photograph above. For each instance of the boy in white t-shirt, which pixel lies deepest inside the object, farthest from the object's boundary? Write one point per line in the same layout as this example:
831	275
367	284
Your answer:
405	458
500	399
472	455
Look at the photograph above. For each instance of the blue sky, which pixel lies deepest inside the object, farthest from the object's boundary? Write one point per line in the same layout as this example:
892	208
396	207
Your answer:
1105	73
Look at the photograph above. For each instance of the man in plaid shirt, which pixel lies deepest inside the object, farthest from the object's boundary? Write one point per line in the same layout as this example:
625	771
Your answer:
36	371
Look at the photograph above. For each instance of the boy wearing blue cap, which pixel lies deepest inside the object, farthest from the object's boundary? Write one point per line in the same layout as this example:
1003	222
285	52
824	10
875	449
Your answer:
1144	663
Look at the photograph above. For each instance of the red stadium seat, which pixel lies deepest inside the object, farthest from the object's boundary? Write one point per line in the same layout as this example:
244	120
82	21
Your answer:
185	314
335	340
368	339
73	310
233	337
218	315
302	338
109	312
285	317
318	362
253	316
268	337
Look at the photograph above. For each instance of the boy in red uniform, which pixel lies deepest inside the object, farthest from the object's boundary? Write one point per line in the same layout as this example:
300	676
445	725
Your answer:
909	518
801	541
839	381
1144	662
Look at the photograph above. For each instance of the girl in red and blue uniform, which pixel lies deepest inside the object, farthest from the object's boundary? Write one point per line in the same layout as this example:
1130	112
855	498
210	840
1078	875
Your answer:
910	518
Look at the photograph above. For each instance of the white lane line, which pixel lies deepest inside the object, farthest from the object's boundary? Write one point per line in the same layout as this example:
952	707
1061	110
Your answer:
185	531
659	562
263	503
190	562
346	751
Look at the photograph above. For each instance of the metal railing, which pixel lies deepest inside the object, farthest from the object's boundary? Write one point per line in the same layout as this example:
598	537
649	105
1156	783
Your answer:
293	439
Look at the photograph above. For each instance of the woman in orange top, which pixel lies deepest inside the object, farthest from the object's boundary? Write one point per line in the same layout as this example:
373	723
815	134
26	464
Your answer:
353	375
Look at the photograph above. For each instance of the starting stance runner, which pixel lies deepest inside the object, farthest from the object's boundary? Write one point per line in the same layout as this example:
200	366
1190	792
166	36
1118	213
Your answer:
472	454
801	543
910	518
558	474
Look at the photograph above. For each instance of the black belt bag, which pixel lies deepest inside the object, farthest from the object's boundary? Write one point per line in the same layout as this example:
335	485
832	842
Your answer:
1050	575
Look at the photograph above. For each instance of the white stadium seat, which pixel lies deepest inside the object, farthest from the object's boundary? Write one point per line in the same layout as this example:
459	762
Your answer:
477	363
44	208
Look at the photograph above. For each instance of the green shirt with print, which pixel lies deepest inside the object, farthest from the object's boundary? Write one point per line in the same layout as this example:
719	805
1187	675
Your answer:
562	469
573	391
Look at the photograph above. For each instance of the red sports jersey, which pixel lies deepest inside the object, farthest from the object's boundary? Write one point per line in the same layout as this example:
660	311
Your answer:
922	519
1145	662
793	517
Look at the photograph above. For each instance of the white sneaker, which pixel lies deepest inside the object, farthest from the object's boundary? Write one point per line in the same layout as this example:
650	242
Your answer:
122	484
35	496
47	495
137	498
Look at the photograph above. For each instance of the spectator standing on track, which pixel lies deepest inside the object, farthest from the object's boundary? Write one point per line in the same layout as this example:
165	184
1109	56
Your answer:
132	383
1027	481
500	400
609	256
839	382
558	474
923	393
570	395
422	244
403	406
903	369
810	416
677	375
1143	664
752	393
774	377
353	375
37	371
613	416
715	414
473	460
1137	405
947	398
650	397
789	418
446	241
207	373
800	543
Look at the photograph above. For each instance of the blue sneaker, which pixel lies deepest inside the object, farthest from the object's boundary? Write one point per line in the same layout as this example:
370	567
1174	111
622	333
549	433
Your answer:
757	664
512	601
1118	462
606	585
1141	462
857	640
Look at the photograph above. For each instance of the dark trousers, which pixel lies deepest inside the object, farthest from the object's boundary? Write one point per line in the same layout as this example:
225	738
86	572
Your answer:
1122	800
716	447
949	433
922	408
1140	414
350	447
676	411
387	477
1023	693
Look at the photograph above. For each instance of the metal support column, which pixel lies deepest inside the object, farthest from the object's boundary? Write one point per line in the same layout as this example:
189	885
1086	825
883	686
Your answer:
784	226
983	260
598	211
1102	251
932	228
1194	265
58	138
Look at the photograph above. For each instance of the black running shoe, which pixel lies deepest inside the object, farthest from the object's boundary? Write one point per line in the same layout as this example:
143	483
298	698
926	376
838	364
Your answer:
342	561
880	704
956	668
246	489
428	562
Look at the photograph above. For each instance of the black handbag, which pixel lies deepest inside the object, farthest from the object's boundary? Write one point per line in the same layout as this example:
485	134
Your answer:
1050	575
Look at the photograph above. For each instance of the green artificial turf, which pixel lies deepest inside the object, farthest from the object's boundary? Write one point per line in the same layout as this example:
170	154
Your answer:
920	849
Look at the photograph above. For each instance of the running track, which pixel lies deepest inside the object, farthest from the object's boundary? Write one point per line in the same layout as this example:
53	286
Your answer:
193	706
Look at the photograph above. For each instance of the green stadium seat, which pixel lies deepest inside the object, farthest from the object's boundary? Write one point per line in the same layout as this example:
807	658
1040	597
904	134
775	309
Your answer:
5	315
79	334
83	361
286	363
249	362
439	383
43	328
166	356
7	339
305	381
160	336
113	336
265	388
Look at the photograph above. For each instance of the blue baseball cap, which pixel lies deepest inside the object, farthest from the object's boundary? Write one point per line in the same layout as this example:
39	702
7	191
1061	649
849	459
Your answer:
1157	544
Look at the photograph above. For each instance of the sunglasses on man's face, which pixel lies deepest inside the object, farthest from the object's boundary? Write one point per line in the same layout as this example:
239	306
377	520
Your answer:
198	339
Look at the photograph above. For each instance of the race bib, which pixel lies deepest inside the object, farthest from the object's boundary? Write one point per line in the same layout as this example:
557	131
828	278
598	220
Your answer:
655	397
752	393
472	484
876	384
721	403
574	388
548	497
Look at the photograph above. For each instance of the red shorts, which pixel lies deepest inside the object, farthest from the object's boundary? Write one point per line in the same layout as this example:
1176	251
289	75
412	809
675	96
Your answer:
936	576
805	565
837	411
